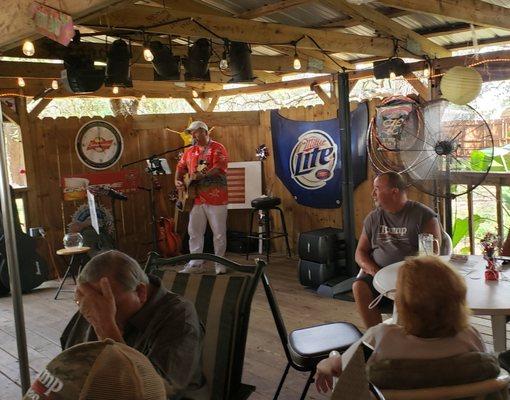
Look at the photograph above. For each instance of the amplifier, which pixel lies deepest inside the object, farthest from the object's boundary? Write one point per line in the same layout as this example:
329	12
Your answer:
314	274
322	245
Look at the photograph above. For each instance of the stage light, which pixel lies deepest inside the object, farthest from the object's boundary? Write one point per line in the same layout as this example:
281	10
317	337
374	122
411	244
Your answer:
197	63
115	90
239	58
166	65
54	84
147	54
80	74
28	48
118	70
390	68
21	82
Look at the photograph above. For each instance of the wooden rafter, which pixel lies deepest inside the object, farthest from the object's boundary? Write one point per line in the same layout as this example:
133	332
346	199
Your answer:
472	11
423	91
195	105
267	9
9	114
246	30
270	86
414	42
43	103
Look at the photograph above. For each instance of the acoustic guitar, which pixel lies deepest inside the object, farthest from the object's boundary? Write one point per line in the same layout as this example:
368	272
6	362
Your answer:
186	196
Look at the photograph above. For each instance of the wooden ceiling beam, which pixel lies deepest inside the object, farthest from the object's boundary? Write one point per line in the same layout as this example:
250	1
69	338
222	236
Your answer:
350	22
270	86
267	9
471	11
414	42
185	24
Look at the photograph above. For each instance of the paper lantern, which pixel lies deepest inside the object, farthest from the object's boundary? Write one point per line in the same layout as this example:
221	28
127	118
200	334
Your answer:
460	85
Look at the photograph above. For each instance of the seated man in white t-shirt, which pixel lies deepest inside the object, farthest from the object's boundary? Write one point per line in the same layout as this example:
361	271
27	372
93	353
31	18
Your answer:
433	320
390	233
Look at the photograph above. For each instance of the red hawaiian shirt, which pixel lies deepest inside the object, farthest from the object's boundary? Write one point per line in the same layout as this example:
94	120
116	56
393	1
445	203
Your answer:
211	189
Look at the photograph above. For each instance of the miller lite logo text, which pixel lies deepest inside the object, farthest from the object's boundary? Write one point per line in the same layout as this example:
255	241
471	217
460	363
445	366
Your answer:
313	159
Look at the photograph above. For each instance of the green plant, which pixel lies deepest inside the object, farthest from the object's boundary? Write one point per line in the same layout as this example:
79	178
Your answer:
461	228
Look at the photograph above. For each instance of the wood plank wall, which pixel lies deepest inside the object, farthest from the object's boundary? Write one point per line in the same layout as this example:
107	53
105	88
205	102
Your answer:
54	156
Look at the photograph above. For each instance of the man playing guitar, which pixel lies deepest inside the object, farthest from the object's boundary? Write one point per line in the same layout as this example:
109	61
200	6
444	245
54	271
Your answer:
212	198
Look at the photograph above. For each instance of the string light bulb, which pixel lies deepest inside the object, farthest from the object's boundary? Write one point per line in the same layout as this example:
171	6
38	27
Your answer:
115	90
223	61
147	54
194	93
426	72
297	61
393	76
54	84
21	82
143	97
28	48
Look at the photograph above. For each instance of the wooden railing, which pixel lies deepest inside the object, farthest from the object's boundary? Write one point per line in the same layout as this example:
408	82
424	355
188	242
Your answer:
497	180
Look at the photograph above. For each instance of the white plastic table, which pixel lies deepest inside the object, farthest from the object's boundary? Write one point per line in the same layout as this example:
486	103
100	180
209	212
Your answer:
483	297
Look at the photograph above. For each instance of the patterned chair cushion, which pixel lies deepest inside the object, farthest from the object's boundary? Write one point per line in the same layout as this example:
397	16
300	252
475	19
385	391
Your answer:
220	301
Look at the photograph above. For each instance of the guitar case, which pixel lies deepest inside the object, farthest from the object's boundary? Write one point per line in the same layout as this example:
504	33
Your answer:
32	267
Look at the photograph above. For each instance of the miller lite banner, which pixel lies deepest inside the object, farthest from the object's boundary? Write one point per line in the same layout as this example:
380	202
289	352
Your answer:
307	156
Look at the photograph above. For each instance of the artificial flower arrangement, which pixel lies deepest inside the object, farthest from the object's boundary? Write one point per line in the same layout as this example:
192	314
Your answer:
490	242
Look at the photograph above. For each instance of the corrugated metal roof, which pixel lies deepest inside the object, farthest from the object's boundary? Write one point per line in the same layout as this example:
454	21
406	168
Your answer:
316	14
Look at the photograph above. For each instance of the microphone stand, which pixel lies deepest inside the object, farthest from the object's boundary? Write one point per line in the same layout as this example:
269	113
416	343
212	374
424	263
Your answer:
154	169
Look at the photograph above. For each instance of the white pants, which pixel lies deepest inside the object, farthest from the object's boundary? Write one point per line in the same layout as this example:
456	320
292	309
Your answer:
198	217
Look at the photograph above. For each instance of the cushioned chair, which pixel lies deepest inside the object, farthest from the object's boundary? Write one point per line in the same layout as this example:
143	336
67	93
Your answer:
223	304
490	389
305	347
465	376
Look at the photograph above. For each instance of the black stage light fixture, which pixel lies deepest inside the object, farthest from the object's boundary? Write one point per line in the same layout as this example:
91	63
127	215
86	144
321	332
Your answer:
80	74
239	60
197	63
166	65
383	69
118	69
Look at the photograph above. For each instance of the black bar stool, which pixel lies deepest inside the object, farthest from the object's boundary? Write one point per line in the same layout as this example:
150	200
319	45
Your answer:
265	205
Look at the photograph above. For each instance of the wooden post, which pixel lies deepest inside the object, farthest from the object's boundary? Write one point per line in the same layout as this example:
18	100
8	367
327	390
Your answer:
470	221
33	217
499	213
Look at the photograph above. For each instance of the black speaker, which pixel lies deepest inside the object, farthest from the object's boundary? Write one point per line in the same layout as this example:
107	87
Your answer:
322	246
314	274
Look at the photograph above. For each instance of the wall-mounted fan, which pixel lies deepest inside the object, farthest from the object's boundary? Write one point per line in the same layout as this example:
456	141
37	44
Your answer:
437	145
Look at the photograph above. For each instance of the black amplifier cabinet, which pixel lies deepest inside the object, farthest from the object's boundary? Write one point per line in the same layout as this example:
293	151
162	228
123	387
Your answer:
314	274
322	246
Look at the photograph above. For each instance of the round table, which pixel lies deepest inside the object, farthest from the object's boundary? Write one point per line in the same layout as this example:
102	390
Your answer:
483	297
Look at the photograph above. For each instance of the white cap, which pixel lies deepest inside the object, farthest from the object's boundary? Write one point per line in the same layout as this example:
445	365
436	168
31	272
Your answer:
196	125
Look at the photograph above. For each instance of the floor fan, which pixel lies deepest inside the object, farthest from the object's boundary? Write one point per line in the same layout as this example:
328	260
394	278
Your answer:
443	149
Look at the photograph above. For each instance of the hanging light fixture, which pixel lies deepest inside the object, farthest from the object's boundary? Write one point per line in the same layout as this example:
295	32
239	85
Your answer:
118	69
21	82
297	61
166	65
224	62
28	48
390	68
197	62
80	74
147	54
239	59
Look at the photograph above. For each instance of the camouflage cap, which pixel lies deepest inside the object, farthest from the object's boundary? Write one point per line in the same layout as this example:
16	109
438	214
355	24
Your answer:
104	370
